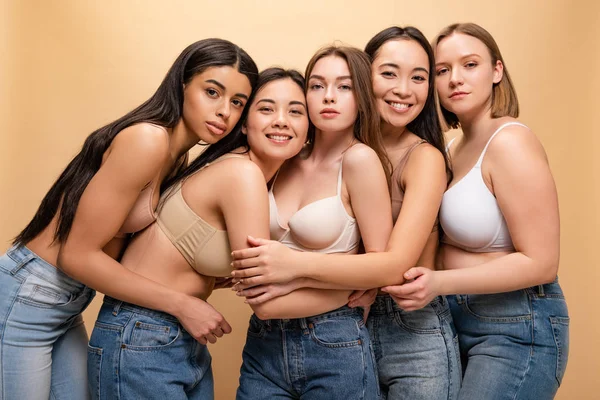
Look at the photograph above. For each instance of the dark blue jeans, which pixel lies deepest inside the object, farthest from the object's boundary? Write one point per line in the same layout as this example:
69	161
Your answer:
327	356
514	345
138	353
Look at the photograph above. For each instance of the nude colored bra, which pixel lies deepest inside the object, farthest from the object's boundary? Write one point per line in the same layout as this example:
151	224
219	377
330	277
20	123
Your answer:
204	247
322	226
469	214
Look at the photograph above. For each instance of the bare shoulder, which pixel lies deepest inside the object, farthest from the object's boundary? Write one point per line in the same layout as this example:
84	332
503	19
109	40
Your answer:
143	139
425	163
239	173
360	157
514	142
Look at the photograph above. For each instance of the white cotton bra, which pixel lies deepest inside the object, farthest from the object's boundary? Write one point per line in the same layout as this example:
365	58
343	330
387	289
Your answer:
469	214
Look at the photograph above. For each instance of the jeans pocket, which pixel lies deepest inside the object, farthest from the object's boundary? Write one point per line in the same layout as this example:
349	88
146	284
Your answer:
256	327
40	293
501	307
560	329
153	334
337	332
424	321
94	367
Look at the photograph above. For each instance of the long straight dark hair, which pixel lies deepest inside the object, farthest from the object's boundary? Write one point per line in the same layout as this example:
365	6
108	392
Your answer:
164	108
427	124
236	139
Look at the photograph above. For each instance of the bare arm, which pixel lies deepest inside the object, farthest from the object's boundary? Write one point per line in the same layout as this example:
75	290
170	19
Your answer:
425	182
137	155
526	193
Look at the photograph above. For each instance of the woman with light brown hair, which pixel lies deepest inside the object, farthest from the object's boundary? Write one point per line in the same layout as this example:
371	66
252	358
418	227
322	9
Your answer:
500	249
309	344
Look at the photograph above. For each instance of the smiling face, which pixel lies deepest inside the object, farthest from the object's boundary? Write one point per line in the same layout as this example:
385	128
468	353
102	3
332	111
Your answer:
277	122
466	75
214	101
330	96
400	74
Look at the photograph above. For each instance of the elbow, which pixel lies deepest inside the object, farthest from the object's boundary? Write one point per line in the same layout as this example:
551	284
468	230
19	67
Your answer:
550	271
67	260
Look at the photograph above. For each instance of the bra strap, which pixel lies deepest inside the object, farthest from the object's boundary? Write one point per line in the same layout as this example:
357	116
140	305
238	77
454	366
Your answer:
492	137
450	144
339	183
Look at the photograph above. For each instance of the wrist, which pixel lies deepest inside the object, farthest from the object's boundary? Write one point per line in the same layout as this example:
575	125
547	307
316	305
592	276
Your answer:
175	303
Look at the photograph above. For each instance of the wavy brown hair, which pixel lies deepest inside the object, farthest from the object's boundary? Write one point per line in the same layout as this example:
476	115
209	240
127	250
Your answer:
367	127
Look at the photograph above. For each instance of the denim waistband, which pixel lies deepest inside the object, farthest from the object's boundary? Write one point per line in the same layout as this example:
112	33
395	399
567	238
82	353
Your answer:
118	305
303	323
27	260
547	290
384	304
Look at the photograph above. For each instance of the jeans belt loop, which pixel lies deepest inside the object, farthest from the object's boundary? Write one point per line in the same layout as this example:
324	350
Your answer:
117	308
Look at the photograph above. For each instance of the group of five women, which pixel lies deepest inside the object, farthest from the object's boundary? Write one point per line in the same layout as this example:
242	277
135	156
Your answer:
398	267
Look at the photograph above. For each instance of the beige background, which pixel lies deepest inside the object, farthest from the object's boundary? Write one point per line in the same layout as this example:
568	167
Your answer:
68	67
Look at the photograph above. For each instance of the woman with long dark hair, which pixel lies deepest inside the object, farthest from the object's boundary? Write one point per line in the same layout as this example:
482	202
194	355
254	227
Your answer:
106	193
201	217
416	354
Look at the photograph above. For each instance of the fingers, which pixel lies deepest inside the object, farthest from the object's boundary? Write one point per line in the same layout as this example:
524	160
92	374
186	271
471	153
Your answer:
252	292
356	295
246	253
409	304
245	263
259	299
257	241
401	290
225	327
415	272
245	283
246	273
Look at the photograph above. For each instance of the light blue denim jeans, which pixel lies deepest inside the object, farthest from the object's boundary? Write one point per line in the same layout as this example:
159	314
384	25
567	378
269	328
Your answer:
514	345
42	337
416	351
139	353
327	356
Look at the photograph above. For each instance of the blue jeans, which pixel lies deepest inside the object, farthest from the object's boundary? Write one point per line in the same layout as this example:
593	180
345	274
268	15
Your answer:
417	352
138	353
327	356
514	345
42	336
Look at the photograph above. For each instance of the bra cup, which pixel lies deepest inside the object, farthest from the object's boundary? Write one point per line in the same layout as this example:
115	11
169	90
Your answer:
470	217
318	225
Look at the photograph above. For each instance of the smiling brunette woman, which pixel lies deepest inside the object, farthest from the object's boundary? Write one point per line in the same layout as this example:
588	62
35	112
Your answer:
207	211
109	191
309	344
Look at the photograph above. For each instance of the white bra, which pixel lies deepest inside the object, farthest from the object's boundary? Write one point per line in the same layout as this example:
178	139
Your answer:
469	214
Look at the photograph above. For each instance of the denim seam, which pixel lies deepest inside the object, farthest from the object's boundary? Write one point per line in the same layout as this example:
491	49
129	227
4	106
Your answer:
517	318
150	349
531	350
195	366
398	319
8	314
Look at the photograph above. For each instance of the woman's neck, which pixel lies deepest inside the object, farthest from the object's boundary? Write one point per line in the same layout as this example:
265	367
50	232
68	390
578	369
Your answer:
181	140
393	136
268	166
331	145
475	122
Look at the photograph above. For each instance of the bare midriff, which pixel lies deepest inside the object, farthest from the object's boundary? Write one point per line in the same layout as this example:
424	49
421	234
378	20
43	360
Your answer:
452	257
152	255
